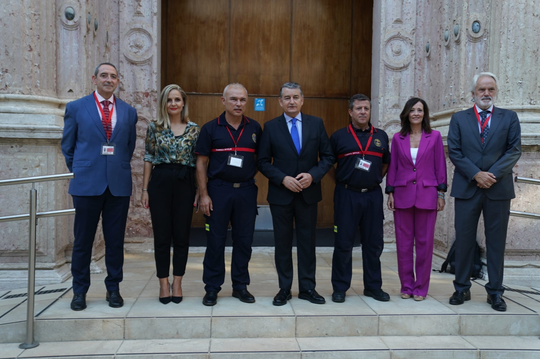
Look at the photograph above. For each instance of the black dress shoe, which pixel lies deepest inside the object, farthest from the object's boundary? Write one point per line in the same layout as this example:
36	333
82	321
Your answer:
282	297
459	297
497	302
244	296
115	299
377	294
78	302
210	299
338	297
312	296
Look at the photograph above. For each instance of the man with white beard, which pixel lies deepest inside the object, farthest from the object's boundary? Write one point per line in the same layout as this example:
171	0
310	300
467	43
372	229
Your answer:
484	143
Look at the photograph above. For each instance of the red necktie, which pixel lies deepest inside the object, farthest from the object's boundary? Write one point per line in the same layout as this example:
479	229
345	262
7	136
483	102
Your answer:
107	125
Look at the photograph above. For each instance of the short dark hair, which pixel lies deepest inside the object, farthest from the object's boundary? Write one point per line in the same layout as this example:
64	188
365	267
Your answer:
358	97
290	85
96	71
406	124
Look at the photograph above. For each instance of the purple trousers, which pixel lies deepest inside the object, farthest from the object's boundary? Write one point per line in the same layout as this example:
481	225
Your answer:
415	228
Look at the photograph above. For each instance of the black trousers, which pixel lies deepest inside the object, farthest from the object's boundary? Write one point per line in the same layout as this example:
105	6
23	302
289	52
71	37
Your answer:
113	211
496	214
353	210
304	216
171	193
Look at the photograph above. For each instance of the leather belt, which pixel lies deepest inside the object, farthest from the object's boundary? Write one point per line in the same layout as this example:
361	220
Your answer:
357	189
232	184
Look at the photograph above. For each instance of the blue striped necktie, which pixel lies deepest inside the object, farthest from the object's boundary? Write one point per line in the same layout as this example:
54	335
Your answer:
294	135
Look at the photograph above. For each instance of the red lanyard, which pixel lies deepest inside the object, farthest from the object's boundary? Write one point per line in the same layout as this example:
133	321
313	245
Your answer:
103	118
480	121
238	140
362	151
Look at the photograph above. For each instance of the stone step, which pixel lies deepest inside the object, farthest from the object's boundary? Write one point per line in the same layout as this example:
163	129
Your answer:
384	347
144	318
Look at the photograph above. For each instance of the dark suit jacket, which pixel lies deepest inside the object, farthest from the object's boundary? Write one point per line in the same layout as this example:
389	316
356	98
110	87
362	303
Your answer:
81	146
277	158
499	155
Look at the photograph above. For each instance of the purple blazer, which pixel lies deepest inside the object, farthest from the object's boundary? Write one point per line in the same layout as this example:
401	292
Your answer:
417	185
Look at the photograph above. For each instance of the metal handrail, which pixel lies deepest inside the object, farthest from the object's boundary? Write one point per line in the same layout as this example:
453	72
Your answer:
20	217
32	217
10	182
526	214
527	180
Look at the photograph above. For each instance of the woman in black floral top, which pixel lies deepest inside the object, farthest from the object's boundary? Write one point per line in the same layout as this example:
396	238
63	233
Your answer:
169	187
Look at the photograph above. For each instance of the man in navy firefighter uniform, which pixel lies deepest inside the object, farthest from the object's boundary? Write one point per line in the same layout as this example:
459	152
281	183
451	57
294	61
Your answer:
362	155
226	166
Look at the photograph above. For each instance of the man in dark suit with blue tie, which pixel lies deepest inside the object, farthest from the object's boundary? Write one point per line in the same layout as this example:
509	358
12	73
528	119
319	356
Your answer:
484	143
294	154
98	142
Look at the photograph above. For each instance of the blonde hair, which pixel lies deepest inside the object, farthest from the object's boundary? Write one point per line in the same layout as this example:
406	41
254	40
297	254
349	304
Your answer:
163	116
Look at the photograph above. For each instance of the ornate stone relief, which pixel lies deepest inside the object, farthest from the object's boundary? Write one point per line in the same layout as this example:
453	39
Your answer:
138	8
456	31
476	27
138	44
70	14
398	51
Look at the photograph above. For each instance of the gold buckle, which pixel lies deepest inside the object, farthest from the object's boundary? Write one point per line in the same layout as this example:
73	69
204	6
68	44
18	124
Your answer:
236	185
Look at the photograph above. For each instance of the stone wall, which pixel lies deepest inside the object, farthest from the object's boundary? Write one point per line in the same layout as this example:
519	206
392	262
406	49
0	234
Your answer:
49	49
443	44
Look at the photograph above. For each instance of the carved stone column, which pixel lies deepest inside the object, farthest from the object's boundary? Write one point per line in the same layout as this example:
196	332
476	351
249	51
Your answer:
393	73
139	65
514	29
30	131
465	38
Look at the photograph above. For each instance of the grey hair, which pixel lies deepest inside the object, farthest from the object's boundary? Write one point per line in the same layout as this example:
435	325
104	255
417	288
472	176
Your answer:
96	71
358	97
482	74
234	84
292	86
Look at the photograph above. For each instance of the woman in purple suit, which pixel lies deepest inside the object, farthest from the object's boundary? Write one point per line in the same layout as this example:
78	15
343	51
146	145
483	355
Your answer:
415	185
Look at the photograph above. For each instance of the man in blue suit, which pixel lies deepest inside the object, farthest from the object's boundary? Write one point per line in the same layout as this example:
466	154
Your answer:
98	142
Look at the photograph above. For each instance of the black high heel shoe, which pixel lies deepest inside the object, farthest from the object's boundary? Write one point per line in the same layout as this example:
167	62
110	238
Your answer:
174	299
165	300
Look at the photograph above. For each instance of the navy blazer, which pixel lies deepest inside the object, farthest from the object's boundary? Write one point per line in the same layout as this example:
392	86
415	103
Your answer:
278	157
501	152
81	146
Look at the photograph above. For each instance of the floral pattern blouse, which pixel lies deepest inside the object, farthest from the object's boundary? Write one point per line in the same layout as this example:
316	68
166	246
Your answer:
162	146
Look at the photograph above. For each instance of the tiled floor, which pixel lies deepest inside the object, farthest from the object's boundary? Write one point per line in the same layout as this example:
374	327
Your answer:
359	328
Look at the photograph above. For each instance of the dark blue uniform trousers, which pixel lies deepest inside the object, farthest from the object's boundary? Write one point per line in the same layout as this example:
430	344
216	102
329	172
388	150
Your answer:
238	206
113	211
354	210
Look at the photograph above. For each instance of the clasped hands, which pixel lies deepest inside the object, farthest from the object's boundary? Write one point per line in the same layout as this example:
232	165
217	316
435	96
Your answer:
485	179
298	183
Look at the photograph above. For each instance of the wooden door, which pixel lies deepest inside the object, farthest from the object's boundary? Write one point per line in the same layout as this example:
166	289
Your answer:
324	45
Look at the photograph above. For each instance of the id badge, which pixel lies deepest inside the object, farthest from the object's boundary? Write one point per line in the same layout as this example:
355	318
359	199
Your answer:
235	161
108	149
362	164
